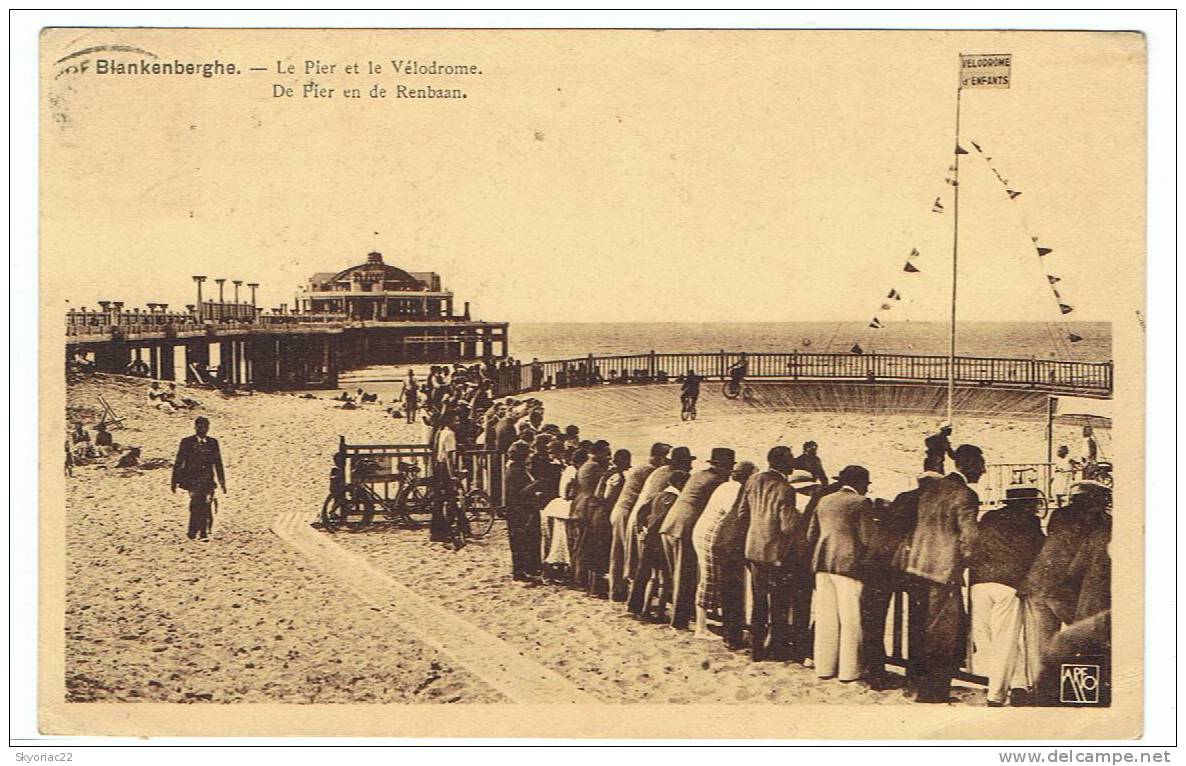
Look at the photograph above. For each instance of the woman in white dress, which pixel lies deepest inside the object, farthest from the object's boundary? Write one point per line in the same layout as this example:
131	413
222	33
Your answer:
557	514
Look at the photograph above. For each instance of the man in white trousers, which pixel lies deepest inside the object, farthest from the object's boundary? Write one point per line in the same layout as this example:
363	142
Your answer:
1007	543
836	563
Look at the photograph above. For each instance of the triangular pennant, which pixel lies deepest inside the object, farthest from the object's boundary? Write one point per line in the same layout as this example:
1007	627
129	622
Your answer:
1064	308
1013	194
1034	240
937	207
911	268
977	147
875	324
1073	338
1053	279
894	295
886	307
856	349
913	253
1057	295
1045	251
960	150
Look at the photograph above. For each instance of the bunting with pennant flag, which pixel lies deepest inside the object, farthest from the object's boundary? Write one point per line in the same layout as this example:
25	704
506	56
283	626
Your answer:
856	349
894	294
937	207
876	324
910	268
1041	250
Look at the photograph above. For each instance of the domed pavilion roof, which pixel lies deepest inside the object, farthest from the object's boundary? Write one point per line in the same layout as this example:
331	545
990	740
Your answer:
374	270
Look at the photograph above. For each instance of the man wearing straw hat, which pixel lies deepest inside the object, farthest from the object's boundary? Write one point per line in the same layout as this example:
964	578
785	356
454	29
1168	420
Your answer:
1007	542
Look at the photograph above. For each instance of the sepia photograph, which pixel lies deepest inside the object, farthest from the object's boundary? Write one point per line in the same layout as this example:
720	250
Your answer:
592	383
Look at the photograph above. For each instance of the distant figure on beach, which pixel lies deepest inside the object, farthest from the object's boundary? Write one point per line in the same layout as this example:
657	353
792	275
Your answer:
809	461
411	398
1091	453
938	449
197	467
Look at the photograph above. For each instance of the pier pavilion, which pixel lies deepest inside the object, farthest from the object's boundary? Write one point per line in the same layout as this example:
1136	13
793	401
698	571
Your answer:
370	314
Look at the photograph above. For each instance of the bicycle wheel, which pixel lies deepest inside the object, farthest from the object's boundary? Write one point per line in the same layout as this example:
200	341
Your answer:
479	512
414	504
332	513
731	389
685	414
747	394
692	412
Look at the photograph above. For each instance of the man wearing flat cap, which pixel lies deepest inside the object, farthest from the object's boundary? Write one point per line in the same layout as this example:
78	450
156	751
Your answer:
620	541
768	501
676	532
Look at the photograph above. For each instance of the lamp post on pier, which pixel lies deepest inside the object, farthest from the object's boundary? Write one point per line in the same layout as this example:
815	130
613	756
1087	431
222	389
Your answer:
253	285
198	280
236	283
221	307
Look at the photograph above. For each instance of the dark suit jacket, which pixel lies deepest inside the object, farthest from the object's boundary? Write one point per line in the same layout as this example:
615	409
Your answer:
197	465
504	434
942	540
1007	542
588	477
635	478
840	549
769	502
682	517
1052	576
521	504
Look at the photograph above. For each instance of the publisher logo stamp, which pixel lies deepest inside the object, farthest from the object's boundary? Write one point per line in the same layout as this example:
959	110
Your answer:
1079	684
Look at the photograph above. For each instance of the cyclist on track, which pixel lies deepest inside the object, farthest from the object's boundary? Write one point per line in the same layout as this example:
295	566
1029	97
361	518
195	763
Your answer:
738	370
690	391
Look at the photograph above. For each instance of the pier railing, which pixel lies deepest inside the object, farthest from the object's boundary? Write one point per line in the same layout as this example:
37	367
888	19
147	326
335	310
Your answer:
1082	378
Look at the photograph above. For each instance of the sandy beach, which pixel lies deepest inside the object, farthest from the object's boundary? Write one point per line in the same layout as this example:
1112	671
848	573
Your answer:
154	616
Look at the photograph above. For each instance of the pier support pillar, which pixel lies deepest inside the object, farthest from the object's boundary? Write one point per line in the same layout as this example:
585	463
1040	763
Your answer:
226	360
197	355
154	363
168	362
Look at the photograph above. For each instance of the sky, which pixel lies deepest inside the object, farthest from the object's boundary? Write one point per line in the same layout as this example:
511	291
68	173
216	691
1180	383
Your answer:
607	176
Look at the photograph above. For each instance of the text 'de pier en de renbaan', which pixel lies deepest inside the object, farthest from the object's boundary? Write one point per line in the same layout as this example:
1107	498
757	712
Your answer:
426	79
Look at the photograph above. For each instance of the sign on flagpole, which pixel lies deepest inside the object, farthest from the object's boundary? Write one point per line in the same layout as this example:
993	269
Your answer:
986	70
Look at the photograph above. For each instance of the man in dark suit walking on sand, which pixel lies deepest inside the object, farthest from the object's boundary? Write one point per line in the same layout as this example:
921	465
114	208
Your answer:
197	467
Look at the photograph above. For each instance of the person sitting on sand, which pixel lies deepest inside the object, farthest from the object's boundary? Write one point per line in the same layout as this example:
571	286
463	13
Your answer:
104	444
81	441
129	459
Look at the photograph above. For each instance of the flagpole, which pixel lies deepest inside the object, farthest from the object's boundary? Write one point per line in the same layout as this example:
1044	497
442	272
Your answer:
955	241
